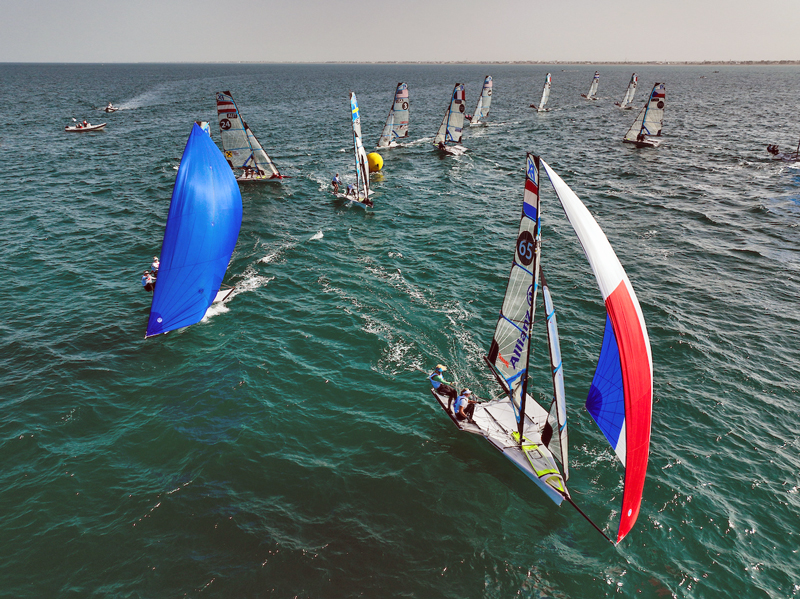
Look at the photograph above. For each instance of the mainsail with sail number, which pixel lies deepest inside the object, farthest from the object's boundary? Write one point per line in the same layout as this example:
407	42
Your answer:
629	93
360	192
396	126
646	129
620	396
242	150
545	96
592	95
484	102
448	137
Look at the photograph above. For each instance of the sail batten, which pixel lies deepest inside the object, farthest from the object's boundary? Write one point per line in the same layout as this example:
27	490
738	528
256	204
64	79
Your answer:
624	377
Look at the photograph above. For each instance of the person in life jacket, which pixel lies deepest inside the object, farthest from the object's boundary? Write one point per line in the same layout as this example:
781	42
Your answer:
442	386
464	406
155	265
148	282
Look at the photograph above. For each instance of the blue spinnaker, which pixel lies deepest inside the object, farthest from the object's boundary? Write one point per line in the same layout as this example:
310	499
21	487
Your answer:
205	215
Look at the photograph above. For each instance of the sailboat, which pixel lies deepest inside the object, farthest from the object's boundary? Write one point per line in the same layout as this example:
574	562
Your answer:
448	137
646	129
629	93
205	215
484	102
592	95
545	96
242	150
360	192
778	155
533	437
396	126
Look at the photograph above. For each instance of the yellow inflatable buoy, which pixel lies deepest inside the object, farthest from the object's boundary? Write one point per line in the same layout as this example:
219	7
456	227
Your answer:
375	162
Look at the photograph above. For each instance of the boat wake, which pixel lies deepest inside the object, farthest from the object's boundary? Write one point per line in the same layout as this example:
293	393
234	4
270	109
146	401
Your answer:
317	235
251	281
148	98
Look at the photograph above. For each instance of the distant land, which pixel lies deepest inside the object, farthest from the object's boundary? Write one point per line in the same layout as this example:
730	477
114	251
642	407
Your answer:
707	63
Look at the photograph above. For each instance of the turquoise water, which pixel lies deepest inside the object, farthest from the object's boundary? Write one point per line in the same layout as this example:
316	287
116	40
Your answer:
288	445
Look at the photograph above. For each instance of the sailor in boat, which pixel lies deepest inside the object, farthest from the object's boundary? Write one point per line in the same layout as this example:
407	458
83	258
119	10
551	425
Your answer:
464	406
351	191
155	266
148	281
336	182
442	146
442	386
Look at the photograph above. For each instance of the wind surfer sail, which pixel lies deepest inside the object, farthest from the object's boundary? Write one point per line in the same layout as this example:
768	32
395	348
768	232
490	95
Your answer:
620	397
205	215
629	93
448	137
646	129
545	96
396	126
592	95
242	150
484	102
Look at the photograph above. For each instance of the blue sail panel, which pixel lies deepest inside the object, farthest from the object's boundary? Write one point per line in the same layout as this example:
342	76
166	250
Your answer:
205	215
606	400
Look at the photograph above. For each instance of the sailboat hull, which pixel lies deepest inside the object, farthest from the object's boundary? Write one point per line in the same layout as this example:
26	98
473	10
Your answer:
495	421
454	150
260	179
648	142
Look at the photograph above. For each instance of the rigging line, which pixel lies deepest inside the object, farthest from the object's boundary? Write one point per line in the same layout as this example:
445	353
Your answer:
588	519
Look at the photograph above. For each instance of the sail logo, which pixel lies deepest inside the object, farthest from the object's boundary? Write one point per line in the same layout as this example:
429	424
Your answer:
523	336
533	175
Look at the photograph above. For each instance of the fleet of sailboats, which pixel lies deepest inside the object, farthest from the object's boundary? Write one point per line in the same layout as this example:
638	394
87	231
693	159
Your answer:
646	129
242	150
545	96
448	137
484	102
205	215
592	95
396	126
629	93
532	437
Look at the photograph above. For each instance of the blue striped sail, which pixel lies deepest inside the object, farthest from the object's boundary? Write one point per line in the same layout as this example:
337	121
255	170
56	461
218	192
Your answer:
205	215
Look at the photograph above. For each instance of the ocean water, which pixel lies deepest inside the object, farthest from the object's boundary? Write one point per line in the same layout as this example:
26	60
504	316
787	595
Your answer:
288	445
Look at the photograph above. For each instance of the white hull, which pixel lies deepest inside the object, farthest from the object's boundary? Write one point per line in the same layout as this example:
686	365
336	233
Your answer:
588	97
76	129
539	109
359	201
222	294
647	142
495	421
455	150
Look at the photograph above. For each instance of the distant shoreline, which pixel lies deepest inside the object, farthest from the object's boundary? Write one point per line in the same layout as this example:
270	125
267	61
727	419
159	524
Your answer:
705	63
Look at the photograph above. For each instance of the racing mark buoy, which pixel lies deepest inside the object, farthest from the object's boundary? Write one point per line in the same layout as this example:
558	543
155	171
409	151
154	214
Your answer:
375	162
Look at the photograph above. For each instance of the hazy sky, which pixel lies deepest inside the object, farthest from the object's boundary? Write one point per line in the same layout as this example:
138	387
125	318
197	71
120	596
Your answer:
401	30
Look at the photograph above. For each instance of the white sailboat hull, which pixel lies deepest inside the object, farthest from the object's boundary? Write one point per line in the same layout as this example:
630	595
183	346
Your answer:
76	129
260	179
454	150
647	142
495	421
355	201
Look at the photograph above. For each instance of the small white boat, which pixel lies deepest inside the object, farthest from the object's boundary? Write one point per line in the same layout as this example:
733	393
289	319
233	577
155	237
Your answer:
84	127
629	93
545	96
448	137
646	129
592	95
110	108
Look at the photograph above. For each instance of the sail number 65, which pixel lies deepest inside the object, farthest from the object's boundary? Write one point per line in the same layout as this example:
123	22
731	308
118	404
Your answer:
525	247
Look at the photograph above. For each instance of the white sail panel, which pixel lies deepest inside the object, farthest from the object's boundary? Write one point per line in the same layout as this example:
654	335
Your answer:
630	92
262	161
555	435
545	92
235	144
650	119
450	130
396	126
508	353
484	102
593	87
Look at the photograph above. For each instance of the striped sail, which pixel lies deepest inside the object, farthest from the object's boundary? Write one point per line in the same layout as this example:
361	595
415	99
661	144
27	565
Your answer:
508	353
593	88
240	146
205	215
545	93
554	435
630	92
396	126
621	394
450	130
651	117
484	102
361	162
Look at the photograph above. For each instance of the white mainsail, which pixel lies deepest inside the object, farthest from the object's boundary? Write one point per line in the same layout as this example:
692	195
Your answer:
545	95
649	121
361	162
592	95
396	126
629	93
240	147
450	131
484	102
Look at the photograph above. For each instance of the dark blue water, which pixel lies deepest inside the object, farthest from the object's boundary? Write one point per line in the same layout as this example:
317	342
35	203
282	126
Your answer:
288	446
